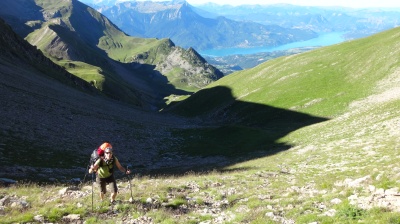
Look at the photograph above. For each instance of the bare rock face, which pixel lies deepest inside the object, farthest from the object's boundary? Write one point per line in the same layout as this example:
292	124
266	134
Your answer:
195	70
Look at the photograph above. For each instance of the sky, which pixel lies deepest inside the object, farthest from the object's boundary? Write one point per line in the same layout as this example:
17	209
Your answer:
346	3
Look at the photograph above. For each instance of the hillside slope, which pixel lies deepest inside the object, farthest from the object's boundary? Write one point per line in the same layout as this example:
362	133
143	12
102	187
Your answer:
263	104
321	82
52	120
135	70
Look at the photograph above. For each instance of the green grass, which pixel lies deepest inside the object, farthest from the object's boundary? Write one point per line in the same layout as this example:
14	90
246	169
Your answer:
85	71
350	212
321	82
122	48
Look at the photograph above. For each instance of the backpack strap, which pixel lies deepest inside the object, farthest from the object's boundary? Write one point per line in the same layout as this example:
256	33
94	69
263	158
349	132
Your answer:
103	163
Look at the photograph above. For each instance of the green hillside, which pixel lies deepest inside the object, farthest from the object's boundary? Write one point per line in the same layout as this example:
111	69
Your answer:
288	93
322	82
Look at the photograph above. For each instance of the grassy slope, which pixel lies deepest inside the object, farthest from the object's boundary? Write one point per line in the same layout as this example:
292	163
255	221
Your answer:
361	139
322	82
274	99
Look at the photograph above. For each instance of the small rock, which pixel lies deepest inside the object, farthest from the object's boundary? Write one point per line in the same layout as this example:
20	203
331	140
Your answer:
380	191
63	191
72	218
352	197
39	218
392	191
358	182
330	213
5	201
336	201
269	214
371	188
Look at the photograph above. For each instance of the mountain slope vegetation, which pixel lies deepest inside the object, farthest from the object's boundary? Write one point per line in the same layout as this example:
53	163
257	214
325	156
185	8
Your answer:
135	70
326	84
323	148
322	82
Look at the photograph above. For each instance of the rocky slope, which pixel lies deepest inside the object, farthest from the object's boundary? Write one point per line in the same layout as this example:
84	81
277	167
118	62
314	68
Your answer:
52	120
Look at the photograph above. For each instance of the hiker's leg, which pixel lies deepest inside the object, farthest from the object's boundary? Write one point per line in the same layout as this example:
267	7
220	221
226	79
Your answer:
113	196
102	183
113	189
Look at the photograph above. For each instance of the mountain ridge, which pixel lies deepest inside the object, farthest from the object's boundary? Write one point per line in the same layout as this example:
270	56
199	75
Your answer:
18	49
179	22
357	22
82	40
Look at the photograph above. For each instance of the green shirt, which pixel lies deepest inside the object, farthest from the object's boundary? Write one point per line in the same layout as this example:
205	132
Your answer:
104	169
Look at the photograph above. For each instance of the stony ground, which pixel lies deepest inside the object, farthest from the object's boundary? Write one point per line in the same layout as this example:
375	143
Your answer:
62	123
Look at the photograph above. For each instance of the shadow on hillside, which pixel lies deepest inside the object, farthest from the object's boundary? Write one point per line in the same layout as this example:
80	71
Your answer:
155	79
232	131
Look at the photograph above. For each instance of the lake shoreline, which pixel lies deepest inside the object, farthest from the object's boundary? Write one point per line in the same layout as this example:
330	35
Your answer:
324	39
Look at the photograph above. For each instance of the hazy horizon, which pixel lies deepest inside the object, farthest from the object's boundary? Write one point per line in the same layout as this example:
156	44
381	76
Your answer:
388	4
344	3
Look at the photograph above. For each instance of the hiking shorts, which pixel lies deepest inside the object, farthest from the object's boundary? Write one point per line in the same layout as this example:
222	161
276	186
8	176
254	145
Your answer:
103	182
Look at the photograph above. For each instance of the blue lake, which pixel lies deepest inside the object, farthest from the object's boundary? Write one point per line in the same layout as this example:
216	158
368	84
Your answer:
324	39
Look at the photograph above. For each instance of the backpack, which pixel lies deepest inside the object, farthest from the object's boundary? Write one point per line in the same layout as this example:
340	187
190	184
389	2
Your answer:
94	157
97	153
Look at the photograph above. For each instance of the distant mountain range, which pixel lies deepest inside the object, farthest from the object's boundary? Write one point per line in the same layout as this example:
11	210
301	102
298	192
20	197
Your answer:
214	26
211	25
356	22
180	22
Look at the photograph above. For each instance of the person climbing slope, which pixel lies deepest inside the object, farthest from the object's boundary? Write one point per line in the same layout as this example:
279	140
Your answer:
104	168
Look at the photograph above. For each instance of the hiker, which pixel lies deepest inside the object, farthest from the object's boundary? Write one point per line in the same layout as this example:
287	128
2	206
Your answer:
104	168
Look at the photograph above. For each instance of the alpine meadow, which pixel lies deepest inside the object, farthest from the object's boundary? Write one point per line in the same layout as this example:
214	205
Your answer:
312	137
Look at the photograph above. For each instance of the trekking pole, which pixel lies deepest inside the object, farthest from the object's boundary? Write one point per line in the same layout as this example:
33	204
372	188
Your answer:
92	190
84	177
130	186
